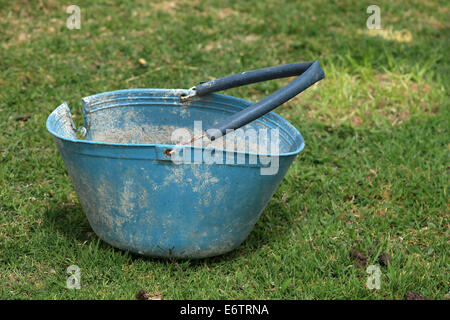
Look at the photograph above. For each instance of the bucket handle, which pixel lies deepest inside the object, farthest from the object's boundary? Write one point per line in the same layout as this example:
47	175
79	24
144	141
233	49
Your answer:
308	72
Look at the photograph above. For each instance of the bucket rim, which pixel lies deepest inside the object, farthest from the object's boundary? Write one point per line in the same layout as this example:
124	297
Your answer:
168	93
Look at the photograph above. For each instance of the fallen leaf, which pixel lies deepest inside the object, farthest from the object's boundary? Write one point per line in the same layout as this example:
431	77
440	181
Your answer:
25	117
411	295
142	62
145	295
385	259
359	257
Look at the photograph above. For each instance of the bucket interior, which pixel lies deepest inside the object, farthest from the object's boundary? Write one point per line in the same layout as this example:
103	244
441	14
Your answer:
152	117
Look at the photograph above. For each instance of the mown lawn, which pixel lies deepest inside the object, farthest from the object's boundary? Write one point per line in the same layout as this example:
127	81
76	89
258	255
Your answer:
372	180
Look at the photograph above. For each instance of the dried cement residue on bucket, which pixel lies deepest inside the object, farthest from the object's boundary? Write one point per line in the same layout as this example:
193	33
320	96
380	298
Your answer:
146	134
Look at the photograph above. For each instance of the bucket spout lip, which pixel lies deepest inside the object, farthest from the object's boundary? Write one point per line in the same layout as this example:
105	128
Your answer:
60	123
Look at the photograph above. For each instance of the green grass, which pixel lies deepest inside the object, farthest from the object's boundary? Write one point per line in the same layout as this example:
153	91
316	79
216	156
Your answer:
373	176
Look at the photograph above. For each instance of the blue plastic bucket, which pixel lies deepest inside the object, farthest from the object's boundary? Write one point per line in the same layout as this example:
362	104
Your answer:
136	198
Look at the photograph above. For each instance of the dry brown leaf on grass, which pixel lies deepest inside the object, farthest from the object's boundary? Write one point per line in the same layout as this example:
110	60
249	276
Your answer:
24	117
412	295
273	287
359	257
142	62
385	259
145	295
50	78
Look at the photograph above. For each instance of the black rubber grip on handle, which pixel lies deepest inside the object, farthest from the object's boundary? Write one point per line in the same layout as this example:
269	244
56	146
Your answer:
310	73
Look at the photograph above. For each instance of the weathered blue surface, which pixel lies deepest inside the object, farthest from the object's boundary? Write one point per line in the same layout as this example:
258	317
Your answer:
137	199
